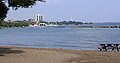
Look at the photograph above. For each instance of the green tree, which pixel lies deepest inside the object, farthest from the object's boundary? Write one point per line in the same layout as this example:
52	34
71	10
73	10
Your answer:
3	10
15	4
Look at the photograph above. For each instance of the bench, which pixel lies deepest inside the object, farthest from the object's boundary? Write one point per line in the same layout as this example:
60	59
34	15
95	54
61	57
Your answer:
106	47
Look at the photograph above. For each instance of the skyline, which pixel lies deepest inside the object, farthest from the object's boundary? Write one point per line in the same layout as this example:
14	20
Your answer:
79	10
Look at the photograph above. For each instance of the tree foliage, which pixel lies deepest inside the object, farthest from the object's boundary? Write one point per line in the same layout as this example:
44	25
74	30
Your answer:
3	10
21	3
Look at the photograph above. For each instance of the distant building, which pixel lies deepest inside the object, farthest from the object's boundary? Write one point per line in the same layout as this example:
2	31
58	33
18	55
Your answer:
31	20
38	19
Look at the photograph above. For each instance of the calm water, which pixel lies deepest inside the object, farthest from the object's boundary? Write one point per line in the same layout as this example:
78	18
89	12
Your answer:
67	38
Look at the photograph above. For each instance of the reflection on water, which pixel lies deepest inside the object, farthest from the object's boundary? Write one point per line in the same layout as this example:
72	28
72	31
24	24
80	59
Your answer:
68	38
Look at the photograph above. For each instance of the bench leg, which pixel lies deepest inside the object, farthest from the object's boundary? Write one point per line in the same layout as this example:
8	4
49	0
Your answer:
105	49
100	49
118	49
112	49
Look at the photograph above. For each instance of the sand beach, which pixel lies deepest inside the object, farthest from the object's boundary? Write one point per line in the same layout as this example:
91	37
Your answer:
46	55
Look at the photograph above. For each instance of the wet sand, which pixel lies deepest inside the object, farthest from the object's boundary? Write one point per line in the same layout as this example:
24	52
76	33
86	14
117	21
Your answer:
46	55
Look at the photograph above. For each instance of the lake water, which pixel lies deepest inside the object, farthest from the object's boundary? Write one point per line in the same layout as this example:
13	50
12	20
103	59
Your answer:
67	38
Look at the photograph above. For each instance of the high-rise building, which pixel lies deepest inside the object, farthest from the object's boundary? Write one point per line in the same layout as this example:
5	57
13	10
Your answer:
38	19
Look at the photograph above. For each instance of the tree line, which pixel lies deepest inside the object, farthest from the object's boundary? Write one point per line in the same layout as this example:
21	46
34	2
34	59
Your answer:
14	24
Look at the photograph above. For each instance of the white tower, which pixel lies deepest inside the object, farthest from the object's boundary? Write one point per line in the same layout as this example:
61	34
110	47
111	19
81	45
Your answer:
38	18
71	19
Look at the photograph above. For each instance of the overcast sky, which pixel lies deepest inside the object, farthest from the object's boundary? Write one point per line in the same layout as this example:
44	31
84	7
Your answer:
78	10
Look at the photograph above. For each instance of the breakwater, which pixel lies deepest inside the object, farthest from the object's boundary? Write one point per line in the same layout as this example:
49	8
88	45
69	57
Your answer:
113	26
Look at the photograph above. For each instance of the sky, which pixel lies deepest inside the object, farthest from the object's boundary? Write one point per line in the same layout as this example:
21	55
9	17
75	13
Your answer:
78	10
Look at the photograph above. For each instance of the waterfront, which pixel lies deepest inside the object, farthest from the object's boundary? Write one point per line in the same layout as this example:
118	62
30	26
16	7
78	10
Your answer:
67	38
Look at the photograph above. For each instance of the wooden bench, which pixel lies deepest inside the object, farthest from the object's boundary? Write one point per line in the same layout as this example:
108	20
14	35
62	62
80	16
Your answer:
111	47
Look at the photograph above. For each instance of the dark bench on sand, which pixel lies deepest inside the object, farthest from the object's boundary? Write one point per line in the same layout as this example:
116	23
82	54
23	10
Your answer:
106	47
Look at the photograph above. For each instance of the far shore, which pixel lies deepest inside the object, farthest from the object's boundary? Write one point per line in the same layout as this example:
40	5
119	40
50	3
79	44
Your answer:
53	55
70	27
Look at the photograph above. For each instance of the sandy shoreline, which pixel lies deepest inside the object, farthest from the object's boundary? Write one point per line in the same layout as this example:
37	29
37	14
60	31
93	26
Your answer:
46	55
